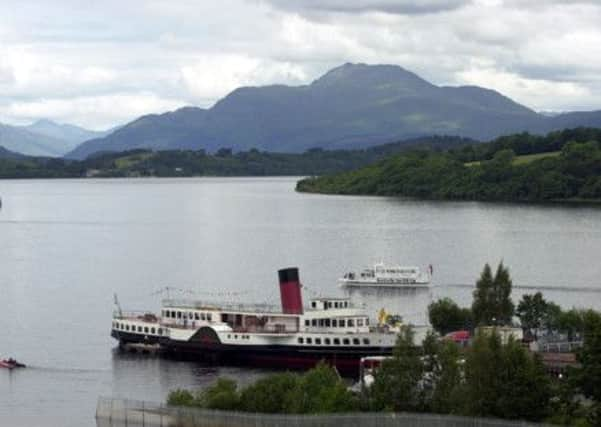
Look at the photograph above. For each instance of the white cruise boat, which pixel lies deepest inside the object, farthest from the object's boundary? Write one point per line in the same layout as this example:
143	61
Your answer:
381	275
291	336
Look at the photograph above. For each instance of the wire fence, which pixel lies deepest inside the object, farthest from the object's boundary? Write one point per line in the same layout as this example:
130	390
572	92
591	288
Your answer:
132	413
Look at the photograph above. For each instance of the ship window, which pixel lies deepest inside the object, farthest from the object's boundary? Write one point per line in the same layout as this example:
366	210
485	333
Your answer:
313	322
335	305
336	341
346	303
209	317
309	340
346	341
318	341
190	315
355	341
342	323
235	337
139	329
327	341
307	322
173	314
321	322
327	322
301	340
313	304
160	331
366	341
145	329
359	322
203	316
153	331
351	323
127	327
179	314
334	323
197	316
366	322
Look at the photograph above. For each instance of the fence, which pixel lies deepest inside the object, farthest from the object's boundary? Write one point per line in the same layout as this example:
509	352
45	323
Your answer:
131	413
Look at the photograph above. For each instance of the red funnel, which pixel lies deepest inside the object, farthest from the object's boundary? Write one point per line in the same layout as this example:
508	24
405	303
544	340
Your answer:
290	291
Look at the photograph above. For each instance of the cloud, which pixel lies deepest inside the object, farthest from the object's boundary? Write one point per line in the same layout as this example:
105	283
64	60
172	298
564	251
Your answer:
213	76
113	60
107	111
404	7
536	93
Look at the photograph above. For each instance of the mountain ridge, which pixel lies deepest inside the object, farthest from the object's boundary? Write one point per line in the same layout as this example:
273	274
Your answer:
45	138
350	106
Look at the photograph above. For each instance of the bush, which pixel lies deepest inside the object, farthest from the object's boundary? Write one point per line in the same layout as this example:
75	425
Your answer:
180	397
268	394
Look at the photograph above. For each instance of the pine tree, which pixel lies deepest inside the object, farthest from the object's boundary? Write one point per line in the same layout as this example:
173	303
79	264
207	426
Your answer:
503	307
492	298
482	297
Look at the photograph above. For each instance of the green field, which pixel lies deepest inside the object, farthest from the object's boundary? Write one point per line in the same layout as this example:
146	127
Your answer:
524	159
127	161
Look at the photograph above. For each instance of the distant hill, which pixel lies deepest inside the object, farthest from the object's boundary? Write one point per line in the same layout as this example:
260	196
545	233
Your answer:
354	105
20	140
7	154
45	138
71	135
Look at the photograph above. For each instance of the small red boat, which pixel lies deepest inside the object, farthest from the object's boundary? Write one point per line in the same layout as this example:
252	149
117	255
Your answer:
10	364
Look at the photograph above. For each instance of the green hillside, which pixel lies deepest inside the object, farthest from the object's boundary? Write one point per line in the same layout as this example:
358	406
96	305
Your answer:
560	166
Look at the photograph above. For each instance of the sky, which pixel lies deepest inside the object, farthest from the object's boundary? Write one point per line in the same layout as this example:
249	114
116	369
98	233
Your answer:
103	63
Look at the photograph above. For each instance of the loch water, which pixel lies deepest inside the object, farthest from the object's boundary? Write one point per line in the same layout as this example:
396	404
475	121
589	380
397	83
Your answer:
67	246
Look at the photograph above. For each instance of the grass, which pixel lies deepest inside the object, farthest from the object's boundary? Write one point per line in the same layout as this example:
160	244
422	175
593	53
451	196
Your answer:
127	161
523	159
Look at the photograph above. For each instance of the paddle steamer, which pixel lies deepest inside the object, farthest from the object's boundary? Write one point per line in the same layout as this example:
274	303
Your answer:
289	336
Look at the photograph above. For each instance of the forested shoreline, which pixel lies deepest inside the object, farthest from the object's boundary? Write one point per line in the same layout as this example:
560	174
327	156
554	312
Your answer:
561	166
223	162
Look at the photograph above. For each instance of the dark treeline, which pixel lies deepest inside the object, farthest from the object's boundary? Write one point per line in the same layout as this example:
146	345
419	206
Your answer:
572	172
224	162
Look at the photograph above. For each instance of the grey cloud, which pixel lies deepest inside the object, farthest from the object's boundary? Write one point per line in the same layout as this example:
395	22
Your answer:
402	7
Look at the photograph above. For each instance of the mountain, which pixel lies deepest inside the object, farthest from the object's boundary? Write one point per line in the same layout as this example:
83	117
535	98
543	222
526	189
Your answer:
71	135
354	105
45	138
7	154
64	131
20	140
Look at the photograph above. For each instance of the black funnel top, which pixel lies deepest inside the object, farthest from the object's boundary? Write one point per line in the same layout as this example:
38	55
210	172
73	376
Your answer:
288	275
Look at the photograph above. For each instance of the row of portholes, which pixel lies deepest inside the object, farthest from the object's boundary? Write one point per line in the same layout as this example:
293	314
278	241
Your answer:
333	341
143	330
244	337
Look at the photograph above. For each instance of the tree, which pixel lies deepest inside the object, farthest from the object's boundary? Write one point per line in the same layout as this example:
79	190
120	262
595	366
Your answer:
492	303
589	356
446	379
269	394
396	382
180	397
532	311
481	306
320	390
221	395
504	381
446	316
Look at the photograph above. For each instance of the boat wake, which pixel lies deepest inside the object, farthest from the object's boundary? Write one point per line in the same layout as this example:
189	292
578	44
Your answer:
561	288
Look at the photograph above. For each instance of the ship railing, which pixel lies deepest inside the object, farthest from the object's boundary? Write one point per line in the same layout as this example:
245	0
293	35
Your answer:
136	315
222	306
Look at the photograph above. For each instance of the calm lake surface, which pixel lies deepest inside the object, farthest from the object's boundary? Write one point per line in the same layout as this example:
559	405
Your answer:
67	245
